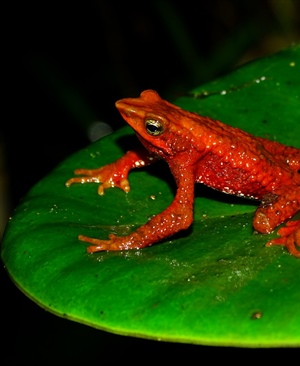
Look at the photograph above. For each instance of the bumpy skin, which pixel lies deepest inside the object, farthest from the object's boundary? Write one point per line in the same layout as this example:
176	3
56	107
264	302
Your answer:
199	149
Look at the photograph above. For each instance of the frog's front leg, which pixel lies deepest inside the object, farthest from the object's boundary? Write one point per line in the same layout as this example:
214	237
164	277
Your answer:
178	216
114	174
274	210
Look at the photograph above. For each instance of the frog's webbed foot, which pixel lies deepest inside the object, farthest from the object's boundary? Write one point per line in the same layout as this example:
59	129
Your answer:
114	243
107	176
290	237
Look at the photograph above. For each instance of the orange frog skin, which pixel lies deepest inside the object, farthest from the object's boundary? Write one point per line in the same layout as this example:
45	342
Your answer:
199	149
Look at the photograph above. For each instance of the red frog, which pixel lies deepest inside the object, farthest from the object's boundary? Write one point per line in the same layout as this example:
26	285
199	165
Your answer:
202	150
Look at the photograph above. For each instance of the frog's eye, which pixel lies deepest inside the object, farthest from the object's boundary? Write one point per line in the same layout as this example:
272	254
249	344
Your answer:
154	127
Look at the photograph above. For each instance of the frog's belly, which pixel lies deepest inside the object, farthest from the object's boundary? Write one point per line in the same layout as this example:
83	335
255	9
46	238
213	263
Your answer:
236	185
232	180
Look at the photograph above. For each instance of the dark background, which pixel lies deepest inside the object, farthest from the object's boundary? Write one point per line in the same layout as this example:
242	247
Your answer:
65	65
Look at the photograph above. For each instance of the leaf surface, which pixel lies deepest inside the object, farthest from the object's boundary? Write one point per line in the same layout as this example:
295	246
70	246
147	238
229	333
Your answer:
216	283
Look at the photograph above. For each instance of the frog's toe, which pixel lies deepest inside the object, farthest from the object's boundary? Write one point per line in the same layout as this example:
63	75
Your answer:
98	245
290	237
82	180
113	244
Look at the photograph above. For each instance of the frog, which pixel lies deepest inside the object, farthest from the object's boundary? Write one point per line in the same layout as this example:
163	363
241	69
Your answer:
201	150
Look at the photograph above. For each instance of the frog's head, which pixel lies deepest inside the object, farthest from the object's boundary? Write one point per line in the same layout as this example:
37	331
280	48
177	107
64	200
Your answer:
161	126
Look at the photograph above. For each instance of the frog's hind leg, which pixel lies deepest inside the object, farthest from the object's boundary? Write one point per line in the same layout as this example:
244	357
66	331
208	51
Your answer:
275	209
286	154
290	237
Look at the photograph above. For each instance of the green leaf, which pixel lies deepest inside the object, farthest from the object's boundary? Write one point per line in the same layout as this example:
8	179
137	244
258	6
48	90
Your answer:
216	283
